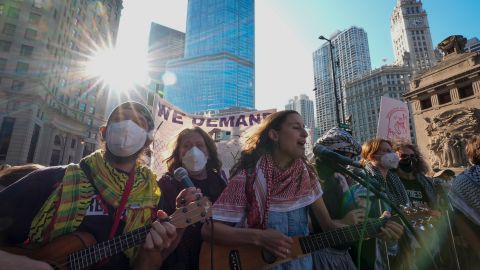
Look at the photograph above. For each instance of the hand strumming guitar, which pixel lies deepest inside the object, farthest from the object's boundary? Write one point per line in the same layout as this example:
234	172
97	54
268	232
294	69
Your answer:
275	242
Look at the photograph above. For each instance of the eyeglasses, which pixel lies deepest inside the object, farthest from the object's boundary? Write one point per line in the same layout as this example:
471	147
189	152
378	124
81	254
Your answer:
405	156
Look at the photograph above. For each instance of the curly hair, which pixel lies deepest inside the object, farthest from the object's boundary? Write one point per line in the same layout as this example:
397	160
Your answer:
422	166
259	143
473	149
173	161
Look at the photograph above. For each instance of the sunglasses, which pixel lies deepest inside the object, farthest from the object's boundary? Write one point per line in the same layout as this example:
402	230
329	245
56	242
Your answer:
405	156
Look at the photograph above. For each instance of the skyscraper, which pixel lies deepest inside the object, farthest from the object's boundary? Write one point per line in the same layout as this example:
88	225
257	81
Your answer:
352	59
164	44
411	38
304	106
218	69
473	45
50	110
362	98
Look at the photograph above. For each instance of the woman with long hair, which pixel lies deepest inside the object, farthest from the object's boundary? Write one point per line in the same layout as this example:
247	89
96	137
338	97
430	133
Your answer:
271	190
195	151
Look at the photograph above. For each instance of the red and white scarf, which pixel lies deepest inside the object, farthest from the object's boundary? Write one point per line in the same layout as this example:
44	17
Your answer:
250	195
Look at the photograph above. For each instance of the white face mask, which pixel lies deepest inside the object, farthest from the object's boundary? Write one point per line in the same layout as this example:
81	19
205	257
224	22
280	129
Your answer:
125	138
194	160
390	161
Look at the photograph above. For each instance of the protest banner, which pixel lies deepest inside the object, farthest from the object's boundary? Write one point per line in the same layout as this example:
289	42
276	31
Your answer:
393	120
228	131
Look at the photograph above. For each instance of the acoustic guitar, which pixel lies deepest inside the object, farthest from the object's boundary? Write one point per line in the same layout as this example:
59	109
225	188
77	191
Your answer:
252	257
80	250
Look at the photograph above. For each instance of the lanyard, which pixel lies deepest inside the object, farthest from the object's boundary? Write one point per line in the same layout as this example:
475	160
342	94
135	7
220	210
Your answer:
123	203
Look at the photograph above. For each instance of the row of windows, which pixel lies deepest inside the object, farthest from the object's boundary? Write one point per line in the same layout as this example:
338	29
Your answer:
445	97
9	30
25	50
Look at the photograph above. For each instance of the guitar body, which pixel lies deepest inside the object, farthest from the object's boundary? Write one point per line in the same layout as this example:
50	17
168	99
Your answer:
247	257
57	251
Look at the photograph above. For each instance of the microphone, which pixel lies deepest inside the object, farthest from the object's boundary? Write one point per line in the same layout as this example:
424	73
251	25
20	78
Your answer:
181	175
325	153
363	175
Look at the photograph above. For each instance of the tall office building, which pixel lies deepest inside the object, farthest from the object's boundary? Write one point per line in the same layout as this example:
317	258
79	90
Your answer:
362	98
164	44
473	45
411	38
304	106
352	59
50	110
218	69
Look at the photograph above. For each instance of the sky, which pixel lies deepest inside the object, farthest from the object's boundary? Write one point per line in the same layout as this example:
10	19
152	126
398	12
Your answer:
286	34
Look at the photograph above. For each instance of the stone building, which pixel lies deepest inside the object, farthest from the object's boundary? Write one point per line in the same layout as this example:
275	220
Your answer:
446	105
50	110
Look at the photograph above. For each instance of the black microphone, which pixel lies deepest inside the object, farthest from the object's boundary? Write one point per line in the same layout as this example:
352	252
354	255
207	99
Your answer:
325	153
181	175
361	173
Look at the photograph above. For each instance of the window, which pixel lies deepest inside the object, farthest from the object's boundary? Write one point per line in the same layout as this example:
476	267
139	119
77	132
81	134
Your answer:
3	64
22	67
34	18
26	50
17	85
55	158
12	12
465	91
83	107
5	135
5	45
2	8
30	33
57	140
33	143
425	103
73	143
444	98
92	110
9	29
38	3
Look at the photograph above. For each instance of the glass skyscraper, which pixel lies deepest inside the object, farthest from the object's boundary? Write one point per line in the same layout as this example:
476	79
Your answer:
218	69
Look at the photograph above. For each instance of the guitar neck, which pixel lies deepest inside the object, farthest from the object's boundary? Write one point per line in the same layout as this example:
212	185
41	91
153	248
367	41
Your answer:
100	251
340	236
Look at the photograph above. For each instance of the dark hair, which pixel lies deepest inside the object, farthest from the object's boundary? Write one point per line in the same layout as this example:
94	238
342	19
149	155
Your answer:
11	175
173	161
473	149
259	143
422	166
370	147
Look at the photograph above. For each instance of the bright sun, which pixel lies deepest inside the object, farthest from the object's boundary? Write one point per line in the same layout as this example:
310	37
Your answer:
119	69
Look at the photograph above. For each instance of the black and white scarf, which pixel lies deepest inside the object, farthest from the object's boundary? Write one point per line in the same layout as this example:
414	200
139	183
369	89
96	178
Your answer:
464	193
393	185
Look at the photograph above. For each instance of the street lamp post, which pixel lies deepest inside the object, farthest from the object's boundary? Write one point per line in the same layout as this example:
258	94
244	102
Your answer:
333	77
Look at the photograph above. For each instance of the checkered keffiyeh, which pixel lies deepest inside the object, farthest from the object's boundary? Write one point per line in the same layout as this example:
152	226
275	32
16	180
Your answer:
337	139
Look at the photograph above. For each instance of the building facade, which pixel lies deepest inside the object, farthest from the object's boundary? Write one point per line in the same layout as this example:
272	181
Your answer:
304	106
219	66
411	37
50	111
446	105
362	98
164	44
352	59
473	45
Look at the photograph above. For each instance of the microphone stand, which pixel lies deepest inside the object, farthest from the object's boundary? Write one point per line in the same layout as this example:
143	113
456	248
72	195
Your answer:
387	200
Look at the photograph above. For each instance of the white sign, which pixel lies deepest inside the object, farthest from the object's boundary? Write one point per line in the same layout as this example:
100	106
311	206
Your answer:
393	122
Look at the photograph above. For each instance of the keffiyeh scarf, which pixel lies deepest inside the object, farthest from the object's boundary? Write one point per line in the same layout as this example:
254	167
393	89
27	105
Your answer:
249	196
464	193
393	185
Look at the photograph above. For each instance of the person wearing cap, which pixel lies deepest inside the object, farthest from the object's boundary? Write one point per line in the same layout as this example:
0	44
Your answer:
87	197
341	201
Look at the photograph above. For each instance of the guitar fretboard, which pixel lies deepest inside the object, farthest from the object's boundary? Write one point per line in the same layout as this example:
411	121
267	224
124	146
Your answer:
341	236
87	257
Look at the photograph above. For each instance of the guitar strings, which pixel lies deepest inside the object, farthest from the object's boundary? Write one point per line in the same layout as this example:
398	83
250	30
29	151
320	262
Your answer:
89	259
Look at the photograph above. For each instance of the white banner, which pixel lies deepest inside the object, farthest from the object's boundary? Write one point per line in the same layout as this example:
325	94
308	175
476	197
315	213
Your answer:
227	131
393	121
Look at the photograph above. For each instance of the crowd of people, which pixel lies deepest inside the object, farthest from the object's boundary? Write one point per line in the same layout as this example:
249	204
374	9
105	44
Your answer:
274	193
